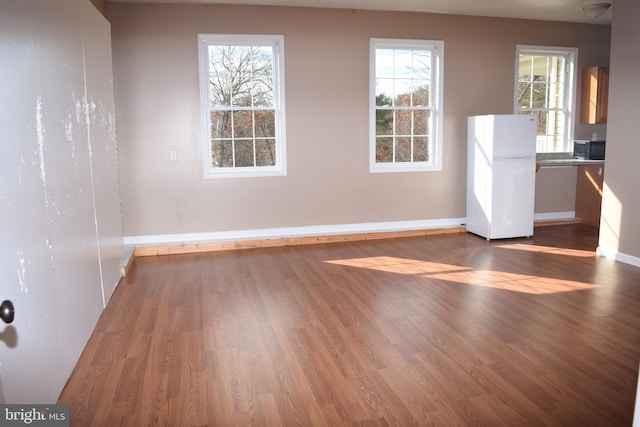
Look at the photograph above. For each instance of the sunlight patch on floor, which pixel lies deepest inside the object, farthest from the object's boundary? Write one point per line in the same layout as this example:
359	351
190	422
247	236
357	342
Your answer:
515	282
399	265
454	273
549	250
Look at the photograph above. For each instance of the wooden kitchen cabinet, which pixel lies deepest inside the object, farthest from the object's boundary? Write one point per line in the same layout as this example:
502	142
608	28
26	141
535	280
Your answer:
595	95
589	193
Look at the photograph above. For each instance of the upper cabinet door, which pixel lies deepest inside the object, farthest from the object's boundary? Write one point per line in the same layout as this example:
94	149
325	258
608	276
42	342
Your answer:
595	94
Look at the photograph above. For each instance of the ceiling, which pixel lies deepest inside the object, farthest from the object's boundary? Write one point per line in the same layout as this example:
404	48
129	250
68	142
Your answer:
546	10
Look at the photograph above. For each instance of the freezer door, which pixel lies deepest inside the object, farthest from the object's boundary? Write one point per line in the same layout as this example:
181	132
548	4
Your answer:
514	136
512	202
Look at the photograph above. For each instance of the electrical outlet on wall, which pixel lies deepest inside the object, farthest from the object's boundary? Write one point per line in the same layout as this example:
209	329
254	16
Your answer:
173	155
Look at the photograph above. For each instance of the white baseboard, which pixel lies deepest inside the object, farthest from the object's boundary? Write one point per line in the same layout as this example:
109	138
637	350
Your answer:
618	256
554	216
313	230
131	242
291	232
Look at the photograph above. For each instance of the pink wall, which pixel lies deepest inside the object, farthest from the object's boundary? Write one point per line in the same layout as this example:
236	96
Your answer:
326	54
101	5
620	228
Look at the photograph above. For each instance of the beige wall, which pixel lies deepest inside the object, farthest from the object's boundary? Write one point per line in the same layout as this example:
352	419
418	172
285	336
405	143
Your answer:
101	5
326	54
620	227
555	192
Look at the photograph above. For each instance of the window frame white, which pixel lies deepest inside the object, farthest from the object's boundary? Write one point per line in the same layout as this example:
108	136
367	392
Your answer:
570	87
436	105
277	43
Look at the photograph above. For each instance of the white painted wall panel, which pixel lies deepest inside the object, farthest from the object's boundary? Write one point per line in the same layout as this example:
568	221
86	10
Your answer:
50	247
68	167
27	272
104	150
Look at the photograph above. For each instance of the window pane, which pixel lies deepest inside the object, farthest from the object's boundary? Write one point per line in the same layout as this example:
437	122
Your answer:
384	150
524	94
422	64
265	122
403	89
403	149
420	93
540	67
542	122
402	66
218	62
220	124
421	122
263	76
243	124
403	122
240	93
265	152
421	149
539	95
244	153
384	91
524	68
220	90
551	132
221	153
262	62
239	60
384	122
384	63
262	94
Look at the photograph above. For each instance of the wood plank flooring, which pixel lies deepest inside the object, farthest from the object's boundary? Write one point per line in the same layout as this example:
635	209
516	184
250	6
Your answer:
445	330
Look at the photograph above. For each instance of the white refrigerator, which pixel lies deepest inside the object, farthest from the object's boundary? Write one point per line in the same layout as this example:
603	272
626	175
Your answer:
501	168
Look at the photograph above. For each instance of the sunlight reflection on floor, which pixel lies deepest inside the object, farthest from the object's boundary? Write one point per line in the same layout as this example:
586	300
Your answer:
487	278
549	250
400	265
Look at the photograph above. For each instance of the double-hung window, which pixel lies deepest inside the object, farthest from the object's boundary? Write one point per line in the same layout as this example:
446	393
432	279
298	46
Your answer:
405	117
545	86
242	92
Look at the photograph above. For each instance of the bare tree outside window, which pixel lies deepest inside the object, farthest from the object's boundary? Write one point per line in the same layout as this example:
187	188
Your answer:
241	85
242	102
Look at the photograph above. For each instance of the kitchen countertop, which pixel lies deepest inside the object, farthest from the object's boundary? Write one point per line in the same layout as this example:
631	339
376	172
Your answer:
567	162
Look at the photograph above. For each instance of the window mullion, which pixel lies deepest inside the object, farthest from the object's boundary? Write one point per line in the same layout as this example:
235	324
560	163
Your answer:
394	138
253	137
233	138
393	135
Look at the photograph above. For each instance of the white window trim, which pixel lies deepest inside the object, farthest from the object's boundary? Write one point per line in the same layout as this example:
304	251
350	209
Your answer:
570	87
435	164
280	168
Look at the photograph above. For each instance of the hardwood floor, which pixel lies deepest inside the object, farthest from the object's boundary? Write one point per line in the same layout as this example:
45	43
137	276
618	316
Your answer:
438	330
